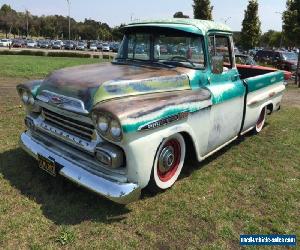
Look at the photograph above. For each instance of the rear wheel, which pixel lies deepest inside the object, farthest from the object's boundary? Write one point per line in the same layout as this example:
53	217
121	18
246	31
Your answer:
261	120
168	163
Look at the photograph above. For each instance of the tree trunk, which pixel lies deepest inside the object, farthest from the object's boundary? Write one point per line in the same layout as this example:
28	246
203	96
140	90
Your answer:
297	78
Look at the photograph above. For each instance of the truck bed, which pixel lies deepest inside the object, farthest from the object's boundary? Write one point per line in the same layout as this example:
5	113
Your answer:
247	71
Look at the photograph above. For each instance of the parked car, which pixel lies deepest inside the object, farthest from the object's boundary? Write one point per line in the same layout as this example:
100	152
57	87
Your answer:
45	44
18	44
31	44
105	47
99	46
118	128
69	45
57	45
5	42
93	47
249	66
81	46
115	47
280	59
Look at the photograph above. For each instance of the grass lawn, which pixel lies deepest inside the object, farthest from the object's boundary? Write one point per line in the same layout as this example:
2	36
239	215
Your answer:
250	187
37	66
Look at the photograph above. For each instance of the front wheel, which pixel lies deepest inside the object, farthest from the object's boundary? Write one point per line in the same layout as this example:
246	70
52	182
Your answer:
168	163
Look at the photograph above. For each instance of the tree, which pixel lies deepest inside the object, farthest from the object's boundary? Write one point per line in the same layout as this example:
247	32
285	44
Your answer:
202	9
251	26
291	27
180	14
271	39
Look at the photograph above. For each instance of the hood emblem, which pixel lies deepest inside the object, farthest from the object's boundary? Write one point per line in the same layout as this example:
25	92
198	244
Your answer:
56	100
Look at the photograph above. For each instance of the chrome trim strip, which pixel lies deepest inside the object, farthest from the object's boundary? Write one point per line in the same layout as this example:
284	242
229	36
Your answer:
63	103
122	193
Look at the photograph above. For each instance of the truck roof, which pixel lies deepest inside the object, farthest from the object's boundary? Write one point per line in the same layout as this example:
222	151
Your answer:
197	26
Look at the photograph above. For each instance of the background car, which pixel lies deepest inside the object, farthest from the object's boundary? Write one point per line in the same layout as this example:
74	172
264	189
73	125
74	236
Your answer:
57	45
280	59
105	47
31	44
81	46
69	45
18	44
93	47
5	42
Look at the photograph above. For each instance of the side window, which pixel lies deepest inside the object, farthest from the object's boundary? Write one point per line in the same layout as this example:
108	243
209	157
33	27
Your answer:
221	46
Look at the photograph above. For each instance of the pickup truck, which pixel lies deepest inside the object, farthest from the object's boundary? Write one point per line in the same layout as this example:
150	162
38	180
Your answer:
117	128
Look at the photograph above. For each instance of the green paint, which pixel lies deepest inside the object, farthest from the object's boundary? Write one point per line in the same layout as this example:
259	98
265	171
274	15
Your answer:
167	112
262	81
203	26
117	89
223	88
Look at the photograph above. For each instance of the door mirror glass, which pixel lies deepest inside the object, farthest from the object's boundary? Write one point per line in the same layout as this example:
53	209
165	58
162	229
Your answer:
217	64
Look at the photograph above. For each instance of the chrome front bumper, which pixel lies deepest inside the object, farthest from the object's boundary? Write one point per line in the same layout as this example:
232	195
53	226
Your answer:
122	193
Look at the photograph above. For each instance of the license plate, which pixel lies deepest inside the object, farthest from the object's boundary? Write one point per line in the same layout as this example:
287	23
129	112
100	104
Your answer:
48	165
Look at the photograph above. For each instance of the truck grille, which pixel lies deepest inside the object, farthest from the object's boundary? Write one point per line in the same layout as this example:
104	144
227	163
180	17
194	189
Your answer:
74	127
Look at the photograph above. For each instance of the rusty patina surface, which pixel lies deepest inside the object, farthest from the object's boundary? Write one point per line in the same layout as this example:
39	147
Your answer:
137	111
98	82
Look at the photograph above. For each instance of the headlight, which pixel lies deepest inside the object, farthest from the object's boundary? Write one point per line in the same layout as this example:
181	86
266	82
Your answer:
115	129
108	126
27	98
103	124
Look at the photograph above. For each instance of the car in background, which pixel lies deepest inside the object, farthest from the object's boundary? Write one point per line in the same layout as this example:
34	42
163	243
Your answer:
18	44
287	61
115	47
5	42
93	47
57	45
45	44
81	46
247	64
69	45
31	44
105	47
99	46
280	59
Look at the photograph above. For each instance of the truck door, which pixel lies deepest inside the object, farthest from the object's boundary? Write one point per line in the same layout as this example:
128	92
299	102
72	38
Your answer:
227	90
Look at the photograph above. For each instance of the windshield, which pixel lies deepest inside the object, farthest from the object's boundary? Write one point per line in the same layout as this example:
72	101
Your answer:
170	48
290	56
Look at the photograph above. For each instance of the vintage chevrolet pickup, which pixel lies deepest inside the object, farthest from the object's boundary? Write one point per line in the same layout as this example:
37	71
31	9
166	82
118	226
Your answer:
173	89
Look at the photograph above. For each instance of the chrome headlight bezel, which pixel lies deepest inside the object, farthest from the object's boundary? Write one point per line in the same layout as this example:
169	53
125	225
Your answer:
28	100
108	126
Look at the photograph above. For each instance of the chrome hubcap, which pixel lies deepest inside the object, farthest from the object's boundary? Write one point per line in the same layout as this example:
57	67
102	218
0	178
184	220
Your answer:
166	159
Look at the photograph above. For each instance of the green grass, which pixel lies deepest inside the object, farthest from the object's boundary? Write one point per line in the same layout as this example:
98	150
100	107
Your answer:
251	186
37	66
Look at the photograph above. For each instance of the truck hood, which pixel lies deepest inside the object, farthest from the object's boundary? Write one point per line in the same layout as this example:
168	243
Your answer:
100	82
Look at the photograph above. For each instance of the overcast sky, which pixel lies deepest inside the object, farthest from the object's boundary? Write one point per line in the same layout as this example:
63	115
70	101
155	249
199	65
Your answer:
115	12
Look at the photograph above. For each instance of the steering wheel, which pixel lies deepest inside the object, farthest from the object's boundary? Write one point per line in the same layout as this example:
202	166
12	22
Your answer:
182	58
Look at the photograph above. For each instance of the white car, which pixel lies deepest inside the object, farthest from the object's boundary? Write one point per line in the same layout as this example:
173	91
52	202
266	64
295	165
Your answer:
31	44
5	42
93	47
105	47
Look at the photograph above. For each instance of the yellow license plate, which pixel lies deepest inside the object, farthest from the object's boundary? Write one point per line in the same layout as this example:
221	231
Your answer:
47	165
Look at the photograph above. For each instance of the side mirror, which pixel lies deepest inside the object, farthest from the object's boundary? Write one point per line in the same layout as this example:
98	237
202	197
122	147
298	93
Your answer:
217	64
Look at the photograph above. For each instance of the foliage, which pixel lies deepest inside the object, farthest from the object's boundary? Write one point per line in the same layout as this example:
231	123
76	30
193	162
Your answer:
54	26
202	9
23	52
68	54
251	26
271	39
180	14
291	22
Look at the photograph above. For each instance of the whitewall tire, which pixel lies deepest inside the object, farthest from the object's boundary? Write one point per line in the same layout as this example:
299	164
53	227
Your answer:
168	163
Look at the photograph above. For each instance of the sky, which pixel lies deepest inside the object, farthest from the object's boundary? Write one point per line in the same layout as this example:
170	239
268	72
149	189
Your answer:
115	12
